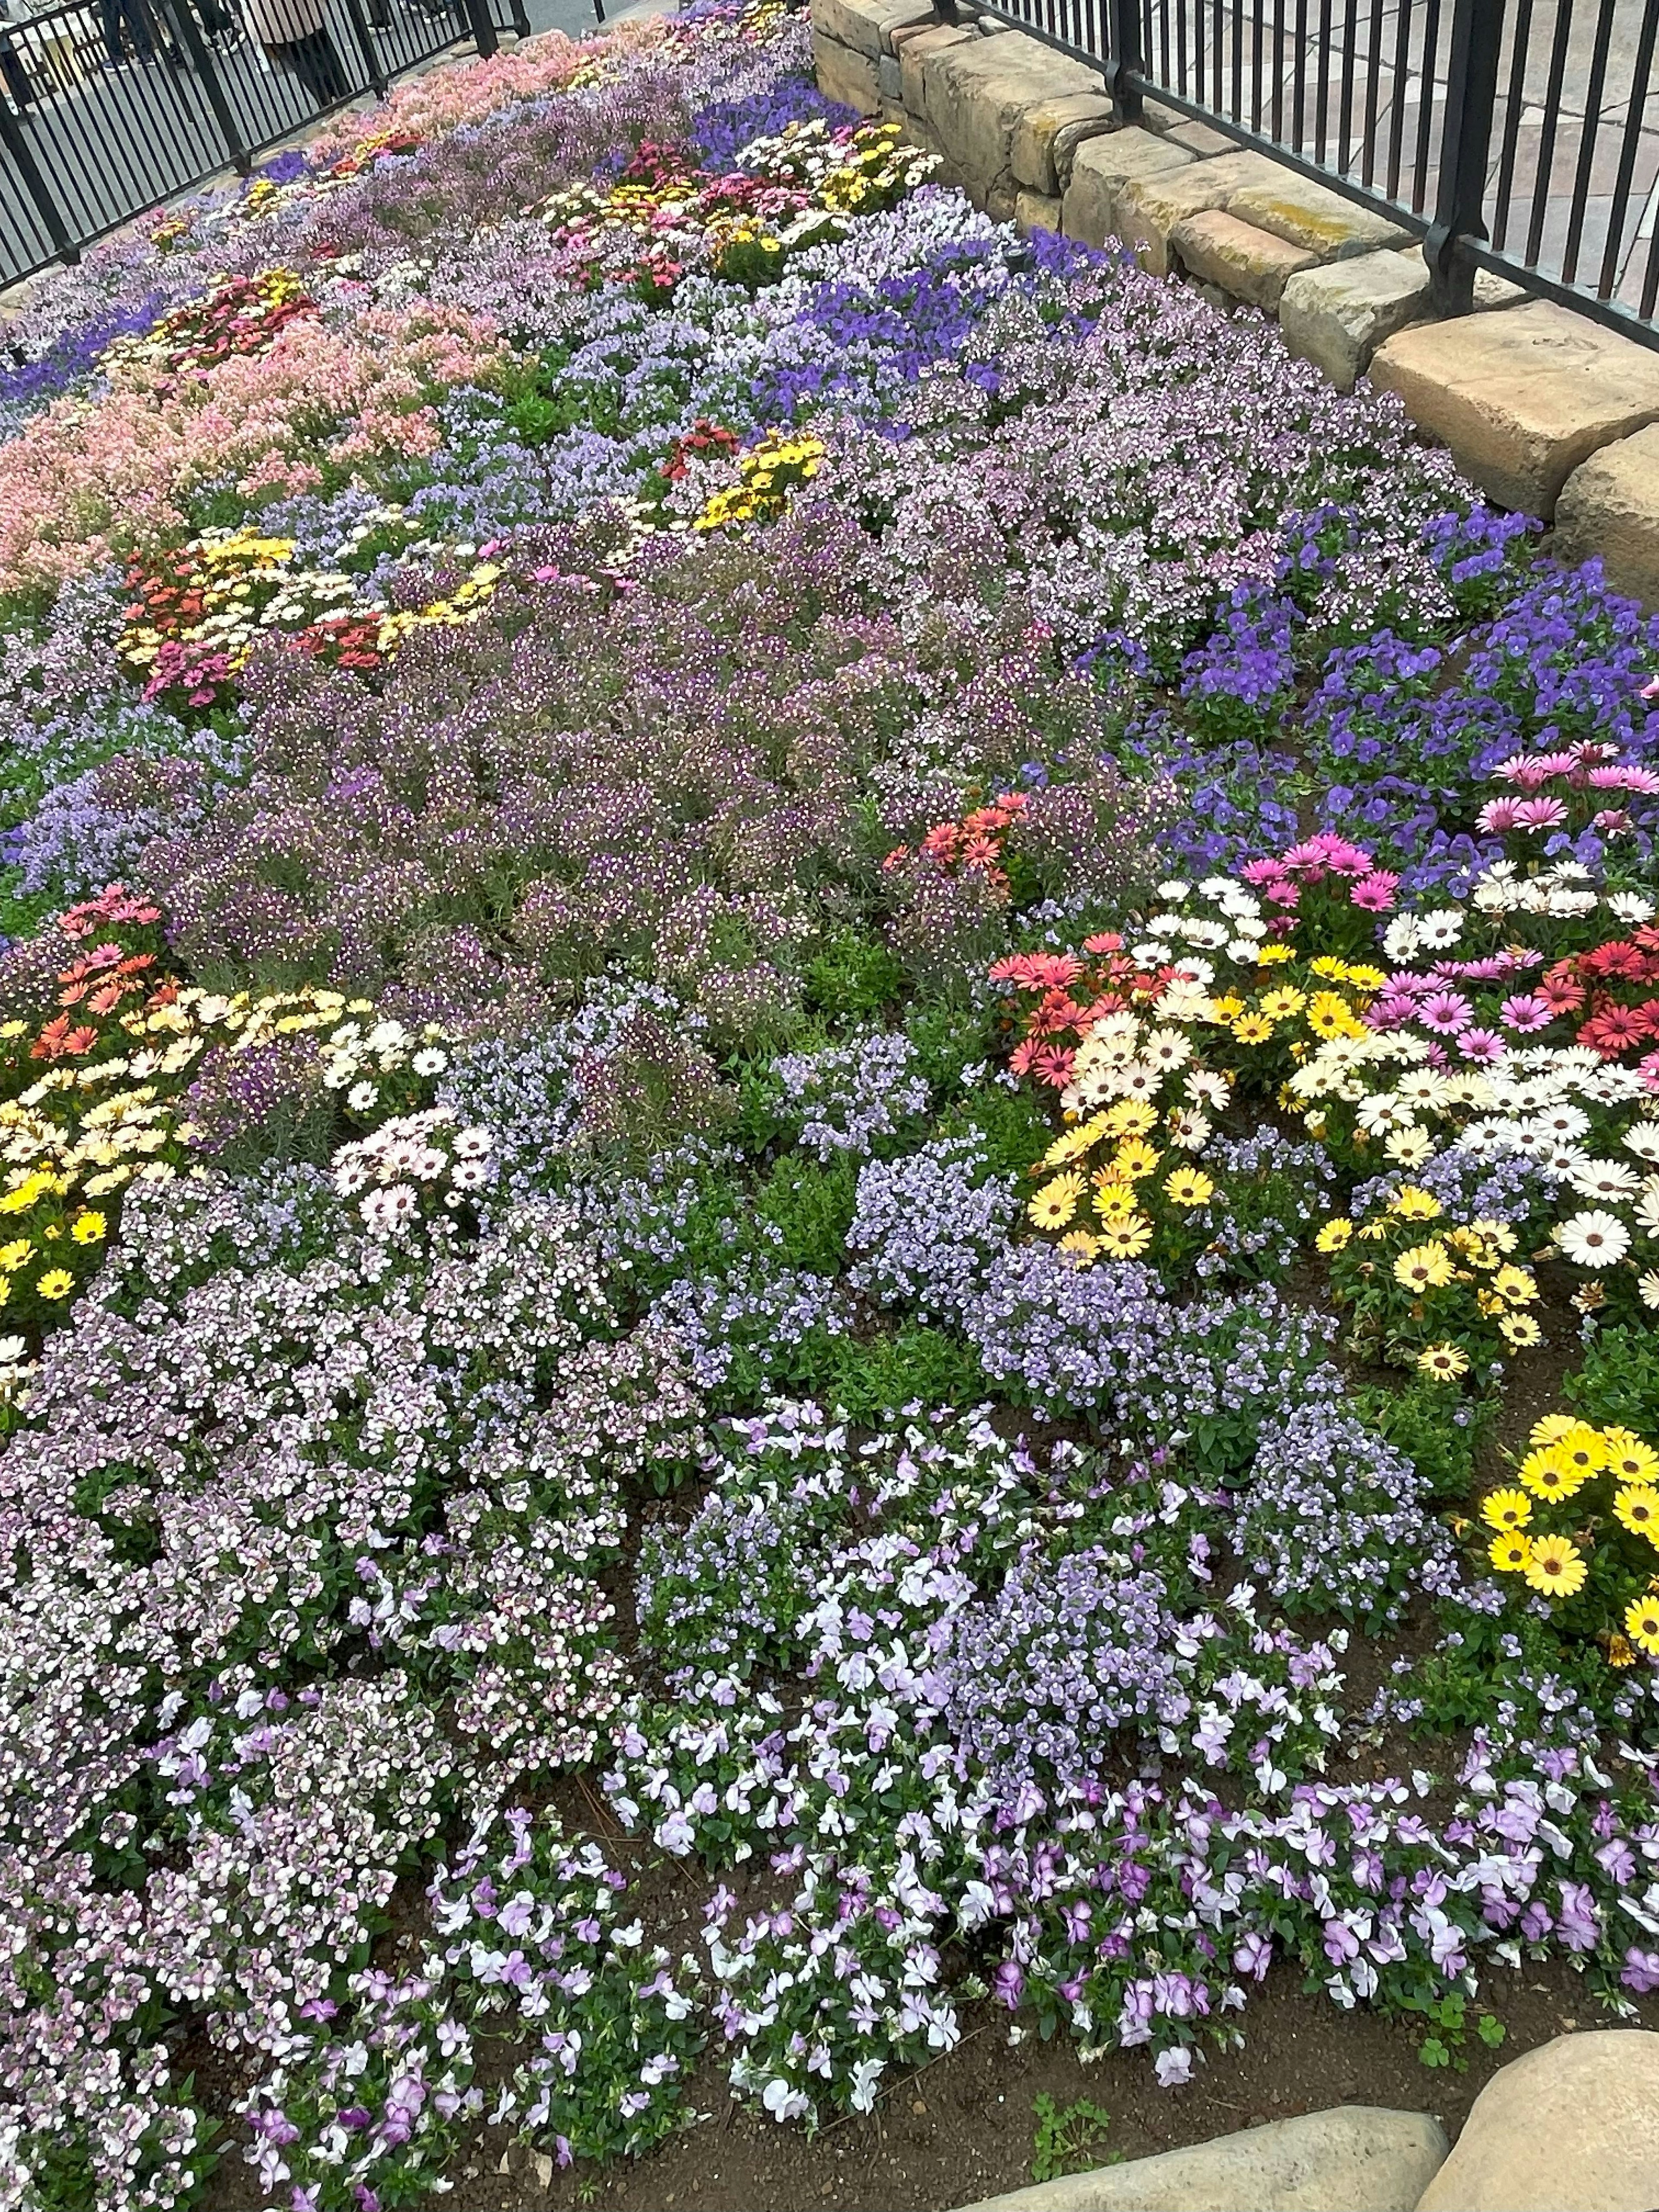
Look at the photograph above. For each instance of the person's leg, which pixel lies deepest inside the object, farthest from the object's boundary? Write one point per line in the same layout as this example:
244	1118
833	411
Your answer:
112	11
136	18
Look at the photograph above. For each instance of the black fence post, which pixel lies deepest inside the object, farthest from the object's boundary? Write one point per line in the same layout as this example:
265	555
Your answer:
520	16
12	138
1465	147
376	74
1124	62
182	23
483	31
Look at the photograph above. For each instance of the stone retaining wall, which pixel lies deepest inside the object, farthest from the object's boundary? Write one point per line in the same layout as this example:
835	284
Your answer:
1544	410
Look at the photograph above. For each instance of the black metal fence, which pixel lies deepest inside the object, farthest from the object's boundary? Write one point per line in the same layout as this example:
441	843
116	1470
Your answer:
1519	137
111	106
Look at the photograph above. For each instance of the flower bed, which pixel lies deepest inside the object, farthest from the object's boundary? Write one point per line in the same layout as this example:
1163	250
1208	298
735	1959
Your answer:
824	1031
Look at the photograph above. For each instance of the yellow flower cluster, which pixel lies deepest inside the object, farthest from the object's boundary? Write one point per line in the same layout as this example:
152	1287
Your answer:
78	1135
767	473
1116	1196
1565	1456
1473	1258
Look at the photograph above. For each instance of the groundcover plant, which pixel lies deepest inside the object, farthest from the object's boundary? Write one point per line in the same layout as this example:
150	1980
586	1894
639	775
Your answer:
821	1028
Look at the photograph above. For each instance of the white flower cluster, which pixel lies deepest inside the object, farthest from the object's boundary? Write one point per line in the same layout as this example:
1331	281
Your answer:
408	1159
359	1056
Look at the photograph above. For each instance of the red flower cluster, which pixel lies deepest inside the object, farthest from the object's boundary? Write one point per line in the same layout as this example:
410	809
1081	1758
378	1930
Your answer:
239	315
99	983
696	444
972	846
1608	982
1054	1025
368	151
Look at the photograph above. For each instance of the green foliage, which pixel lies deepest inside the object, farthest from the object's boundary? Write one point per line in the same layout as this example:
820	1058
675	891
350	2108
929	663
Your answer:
1069	2139
864	1378
1618	1385
811	1208
1446	2025
1011	1124
1438	1431
854	978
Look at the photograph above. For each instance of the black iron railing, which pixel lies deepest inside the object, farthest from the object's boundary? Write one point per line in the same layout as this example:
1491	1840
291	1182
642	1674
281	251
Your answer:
111	106
1519	137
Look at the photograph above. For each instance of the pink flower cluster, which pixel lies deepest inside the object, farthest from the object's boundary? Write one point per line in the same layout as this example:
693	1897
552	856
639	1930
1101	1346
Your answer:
1590	769
1281	881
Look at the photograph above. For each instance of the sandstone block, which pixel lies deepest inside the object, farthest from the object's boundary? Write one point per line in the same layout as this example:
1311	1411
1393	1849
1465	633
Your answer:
1151	208
1200	139
1522	397
1318	220
914	50
859	24
1336	317
1610	507
976	92
889	82
1033	156
1355	2158
1038	210
1100	169
1249	263
1571	2127
847	76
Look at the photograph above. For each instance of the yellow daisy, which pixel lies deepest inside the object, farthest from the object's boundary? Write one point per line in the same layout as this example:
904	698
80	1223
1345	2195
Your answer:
1133	1160
1189	1187
1547	1473
1126	1240
1509	1554
1552	1426
1333	1236
1506	1509
1583	1449
1424	1267
1629	1460
1556	1567
1056	1202
1520	1331
1253	1029
1114	1201
1642	1625
1412	1204
56	1283
1441	1363
1637	1509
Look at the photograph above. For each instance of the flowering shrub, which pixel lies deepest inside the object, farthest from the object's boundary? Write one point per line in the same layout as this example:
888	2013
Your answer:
808	1013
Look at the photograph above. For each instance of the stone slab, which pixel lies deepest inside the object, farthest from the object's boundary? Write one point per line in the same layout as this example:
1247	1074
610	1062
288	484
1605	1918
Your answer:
889	82
1038	210
1150	208
1610	507
975	92
1033	156
1522	397
1200	139
1571	2127
1354	2158
914	50
847	76
859	24
1102	167
1248	263
1337	316
1320	222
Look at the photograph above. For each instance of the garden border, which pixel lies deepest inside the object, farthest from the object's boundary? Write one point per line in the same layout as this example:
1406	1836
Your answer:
1543	409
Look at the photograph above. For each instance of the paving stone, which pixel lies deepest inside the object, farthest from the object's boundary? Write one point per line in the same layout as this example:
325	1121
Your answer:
1610	507
1247	263
1200	139
1150	208
1354	2158
1337	316
1312	216
1522	397
1038	210
1033	155
859	24
975	93
1100	169
1571	2127
844	75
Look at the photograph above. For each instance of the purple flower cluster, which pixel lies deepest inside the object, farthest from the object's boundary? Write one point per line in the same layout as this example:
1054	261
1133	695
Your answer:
846	1097
927	1225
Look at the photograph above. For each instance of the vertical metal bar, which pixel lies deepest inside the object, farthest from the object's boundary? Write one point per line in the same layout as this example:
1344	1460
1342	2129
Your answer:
183	24
1464	143
1256	30
1373	90
1344	98
1299	77
1402	65
1640	75
1322	79
1123	70
1598	77
1277	124
483	31
365	45
1514	102
12	137
1425	111
1541	185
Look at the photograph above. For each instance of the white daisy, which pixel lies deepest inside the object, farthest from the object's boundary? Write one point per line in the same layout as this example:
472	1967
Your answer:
1606	1181
1593	1238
